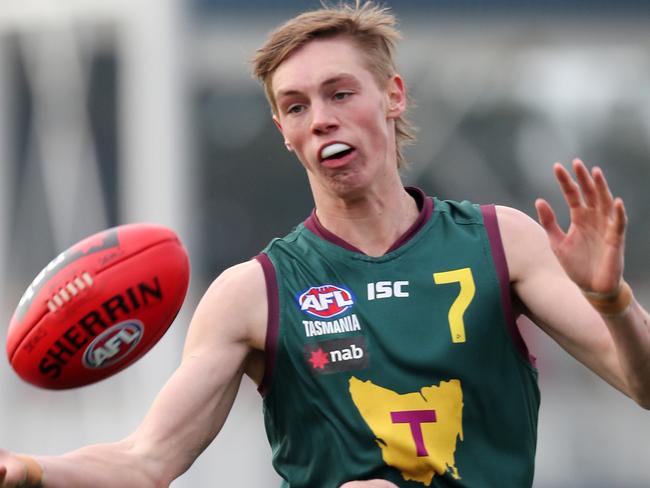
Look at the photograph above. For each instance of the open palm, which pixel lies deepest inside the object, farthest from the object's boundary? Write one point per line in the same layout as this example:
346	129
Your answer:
592	250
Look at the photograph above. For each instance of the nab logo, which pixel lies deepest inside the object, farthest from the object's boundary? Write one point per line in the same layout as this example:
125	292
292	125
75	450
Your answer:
345	354
113	345
337	355
325	301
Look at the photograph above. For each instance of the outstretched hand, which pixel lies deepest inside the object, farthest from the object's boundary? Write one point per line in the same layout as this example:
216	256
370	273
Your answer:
592	250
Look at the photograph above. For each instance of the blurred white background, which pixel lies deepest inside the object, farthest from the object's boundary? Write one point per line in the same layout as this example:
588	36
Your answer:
144	110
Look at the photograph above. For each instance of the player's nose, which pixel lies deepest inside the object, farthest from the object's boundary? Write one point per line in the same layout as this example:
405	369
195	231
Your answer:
323	119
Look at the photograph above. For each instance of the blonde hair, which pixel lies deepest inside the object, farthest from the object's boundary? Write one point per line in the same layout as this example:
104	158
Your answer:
371	27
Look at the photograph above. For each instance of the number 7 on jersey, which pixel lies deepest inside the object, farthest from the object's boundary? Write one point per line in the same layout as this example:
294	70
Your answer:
467	291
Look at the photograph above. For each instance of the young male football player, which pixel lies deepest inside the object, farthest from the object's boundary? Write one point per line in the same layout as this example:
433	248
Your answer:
382	329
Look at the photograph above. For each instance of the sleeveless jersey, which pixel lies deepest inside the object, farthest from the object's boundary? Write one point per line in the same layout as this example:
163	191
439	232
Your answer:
406	367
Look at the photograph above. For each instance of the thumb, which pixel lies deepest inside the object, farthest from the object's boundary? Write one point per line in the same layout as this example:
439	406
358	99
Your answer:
547	220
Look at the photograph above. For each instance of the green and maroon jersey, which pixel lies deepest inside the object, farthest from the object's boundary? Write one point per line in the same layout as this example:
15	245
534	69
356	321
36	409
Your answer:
407	367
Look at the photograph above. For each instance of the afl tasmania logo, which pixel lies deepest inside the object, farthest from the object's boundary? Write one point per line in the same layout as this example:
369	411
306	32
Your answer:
325	301
113	345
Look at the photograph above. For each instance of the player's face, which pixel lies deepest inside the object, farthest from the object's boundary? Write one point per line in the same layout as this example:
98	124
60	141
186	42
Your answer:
336	117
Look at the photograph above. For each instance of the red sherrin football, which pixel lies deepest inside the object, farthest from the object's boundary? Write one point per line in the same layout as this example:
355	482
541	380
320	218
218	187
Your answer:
98	306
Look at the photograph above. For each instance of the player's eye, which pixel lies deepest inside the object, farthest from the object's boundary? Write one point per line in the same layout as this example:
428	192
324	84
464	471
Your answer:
295	109
341	95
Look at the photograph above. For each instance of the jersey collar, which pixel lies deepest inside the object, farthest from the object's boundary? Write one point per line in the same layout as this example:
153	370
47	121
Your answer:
424	203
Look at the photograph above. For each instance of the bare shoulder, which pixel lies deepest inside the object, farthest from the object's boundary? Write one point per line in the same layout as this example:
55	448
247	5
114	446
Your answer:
232	310
524	241
246	278
513	221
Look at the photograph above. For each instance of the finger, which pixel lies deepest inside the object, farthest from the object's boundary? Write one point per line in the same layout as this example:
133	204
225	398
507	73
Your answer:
548	221
3	473
620	217
587	185
615	234
569	188
602	189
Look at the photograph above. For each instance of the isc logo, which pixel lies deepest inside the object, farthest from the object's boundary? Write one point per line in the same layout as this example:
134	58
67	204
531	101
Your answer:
112	345
387	289
325	301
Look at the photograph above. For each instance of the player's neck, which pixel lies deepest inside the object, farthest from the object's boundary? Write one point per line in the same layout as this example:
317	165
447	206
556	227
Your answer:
371	222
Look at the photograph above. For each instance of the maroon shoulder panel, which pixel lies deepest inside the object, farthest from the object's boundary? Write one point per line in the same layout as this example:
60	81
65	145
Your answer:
273	323
498	255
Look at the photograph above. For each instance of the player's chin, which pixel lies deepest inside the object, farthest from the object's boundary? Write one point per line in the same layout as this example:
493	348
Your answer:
347	183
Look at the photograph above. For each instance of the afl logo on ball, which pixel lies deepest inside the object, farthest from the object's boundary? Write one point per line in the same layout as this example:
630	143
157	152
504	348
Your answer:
325	301
113	345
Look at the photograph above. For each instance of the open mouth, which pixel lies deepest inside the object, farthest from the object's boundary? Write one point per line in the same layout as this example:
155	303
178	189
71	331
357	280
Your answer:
335	151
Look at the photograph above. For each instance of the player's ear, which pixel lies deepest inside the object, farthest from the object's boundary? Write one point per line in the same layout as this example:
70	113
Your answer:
396	95
276	121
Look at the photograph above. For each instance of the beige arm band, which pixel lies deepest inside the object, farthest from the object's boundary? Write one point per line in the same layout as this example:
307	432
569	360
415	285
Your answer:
611	304
33	472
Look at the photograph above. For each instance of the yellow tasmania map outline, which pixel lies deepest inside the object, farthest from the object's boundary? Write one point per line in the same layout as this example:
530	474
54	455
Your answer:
417	432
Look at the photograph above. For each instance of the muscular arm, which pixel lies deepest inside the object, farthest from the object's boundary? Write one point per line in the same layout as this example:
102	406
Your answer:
548	280
229	323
